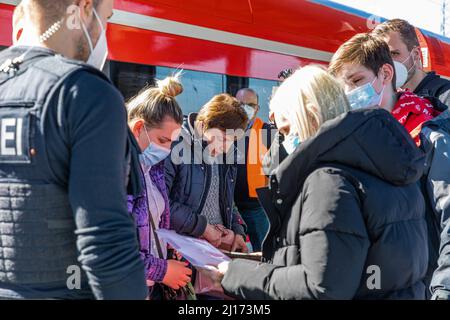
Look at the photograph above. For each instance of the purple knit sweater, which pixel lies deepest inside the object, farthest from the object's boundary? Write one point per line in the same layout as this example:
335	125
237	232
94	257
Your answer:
138	207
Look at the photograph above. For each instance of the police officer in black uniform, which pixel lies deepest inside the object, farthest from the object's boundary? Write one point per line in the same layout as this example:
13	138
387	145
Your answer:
66	161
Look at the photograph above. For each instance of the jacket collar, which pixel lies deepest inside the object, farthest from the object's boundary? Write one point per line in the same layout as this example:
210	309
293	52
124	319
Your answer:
370	140
431	76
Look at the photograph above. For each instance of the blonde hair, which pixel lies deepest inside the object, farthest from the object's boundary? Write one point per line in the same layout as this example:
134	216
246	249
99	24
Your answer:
154	104
308	98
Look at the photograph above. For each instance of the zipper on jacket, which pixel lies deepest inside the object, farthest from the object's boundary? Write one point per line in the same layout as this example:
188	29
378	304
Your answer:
207	183
226	219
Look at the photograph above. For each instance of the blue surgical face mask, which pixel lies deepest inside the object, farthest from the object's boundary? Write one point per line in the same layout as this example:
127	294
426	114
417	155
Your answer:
153	154
291	142
365	96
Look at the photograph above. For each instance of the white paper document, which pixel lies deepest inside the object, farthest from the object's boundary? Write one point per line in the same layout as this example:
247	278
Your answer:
200	253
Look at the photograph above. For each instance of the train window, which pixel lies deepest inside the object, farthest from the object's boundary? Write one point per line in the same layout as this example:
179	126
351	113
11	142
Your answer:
264	89
199	87
236	83
130	78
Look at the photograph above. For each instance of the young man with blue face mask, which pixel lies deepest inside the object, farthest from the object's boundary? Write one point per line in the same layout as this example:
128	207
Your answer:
365	66
70	157
250	175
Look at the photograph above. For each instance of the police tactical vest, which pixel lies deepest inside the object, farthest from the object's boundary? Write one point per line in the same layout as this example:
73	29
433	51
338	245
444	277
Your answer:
37	239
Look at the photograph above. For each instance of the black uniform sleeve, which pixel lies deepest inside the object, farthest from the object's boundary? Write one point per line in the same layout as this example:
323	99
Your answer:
95	127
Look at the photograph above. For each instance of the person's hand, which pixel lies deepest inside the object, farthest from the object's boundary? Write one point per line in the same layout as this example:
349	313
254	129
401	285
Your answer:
178	255
178	274
212	278
223	267
213	235
227	240
239	244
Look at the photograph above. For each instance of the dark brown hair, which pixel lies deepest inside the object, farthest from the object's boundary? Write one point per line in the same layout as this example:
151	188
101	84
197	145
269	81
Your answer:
223	112
404	28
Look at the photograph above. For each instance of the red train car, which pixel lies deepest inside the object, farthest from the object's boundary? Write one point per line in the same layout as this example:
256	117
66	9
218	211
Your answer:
223	45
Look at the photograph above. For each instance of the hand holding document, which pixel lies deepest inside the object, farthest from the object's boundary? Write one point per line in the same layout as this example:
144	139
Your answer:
254	256
199	253
208	260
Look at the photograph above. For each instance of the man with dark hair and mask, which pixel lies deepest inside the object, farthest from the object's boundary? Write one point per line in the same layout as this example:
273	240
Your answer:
67	161
404	45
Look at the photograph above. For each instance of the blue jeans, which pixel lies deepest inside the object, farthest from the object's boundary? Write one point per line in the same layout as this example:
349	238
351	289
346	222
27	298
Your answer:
257	226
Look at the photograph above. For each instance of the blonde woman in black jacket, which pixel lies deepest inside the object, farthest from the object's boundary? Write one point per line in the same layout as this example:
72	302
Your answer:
347	217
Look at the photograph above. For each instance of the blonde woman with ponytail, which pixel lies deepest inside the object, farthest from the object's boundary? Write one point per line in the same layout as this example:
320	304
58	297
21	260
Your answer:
155	119
347	217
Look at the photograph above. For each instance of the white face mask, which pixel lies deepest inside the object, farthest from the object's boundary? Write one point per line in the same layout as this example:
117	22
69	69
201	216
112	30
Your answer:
408	72
98	55
250	111
401	74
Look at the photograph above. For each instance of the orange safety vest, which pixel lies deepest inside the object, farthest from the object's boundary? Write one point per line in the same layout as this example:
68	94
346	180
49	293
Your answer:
256	151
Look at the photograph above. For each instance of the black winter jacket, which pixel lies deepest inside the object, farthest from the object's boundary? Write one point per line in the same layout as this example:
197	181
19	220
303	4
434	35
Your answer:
347	218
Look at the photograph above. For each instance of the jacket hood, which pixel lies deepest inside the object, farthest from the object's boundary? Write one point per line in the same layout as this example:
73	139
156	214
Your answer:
187	128
370	140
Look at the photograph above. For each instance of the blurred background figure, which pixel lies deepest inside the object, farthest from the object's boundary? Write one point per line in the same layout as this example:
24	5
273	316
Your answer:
250	174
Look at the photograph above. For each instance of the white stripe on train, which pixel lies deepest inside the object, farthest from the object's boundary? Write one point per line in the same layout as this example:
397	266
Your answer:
188	30
136	20
197	32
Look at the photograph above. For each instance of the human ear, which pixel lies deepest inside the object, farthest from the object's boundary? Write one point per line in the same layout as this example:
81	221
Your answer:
136	127
388	73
